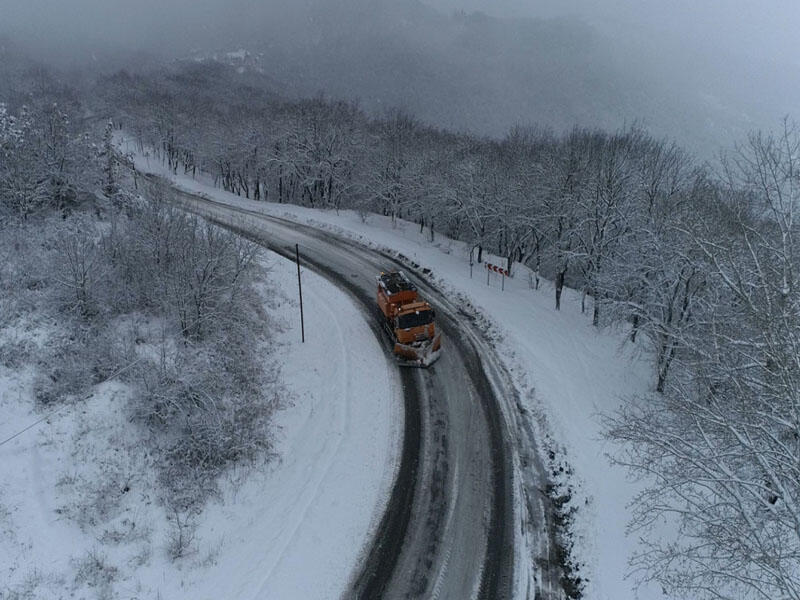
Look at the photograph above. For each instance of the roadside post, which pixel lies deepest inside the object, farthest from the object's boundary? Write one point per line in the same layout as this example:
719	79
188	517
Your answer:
300	289
471	261
503	274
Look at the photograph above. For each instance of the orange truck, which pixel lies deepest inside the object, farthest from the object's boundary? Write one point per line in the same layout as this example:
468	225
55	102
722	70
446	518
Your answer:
409	320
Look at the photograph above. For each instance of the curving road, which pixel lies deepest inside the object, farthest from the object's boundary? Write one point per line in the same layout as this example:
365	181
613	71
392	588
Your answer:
459	508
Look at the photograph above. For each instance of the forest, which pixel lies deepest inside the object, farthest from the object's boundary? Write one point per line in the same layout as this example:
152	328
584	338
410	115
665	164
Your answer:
102	282
696	262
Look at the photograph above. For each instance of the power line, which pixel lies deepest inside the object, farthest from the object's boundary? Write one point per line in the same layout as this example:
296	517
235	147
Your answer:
55	410
110	377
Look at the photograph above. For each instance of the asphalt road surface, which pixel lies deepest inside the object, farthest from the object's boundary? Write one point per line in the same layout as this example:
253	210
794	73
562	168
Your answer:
461	502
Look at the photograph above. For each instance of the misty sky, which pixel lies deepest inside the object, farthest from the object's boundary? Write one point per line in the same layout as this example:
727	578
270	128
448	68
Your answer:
763	28
740	57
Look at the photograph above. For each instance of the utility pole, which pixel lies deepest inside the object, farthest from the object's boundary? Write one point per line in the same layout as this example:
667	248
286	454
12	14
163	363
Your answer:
300	288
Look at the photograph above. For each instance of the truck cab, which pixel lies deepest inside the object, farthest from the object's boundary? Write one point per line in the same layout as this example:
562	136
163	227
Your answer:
409	320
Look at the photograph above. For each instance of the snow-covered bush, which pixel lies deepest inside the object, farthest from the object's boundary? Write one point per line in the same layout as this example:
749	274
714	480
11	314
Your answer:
78	268
182	533
95	572
203	393
46	163
205	398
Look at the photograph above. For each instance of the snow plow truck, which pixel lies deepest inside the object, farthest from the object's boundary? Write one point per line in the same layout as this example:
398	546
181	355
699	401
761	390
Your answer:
408	320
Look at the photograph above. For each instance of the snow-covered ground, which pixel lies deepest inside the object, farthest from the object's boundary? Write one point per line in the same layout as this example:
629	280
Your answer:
293	529
569	371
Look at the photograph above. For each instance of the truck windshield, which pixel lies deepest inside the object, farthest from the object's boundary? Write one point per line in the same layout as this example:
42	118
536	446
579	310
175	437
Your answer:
415	319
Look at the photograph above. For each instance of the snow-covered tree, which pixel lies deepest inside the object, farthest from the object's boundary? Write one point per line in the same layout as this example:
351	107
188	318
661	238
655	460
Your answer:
721	446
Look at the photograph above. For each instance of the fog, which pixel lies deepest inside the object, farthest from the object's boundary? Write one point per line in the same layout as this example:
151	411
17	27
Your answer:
702	72
683	36
765	29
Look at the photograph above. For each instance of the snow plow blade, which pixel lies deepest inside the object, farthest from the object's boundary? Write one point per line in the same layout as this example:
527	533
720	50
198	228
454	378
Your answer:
419	355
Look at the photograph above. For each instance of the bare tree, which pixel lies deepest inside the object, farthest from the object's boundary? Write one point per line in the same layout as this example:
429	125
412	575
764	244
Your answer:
721	447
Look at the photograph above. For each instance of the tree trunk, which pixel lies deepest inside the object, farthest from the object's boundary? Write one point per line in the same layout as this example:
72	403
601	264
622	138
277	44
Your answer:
559	287
667	353
596	311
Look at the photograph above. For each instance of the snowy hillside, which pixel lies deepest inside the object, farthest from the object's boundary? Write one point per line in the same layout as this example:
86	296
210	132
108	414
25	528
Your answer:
78	510
547	341
569	372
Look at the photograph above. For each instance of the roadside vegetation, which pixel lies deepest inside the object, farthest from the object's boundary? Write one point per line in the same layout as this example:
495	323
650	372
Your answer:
103	284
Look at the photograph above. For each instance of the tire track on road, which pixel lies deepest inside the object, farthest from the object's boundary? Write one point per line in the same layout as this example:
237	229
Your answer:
495	572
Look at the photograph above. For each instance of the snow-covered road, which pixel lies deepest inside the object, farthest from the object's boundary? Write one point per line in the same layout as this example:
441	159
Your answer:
449	527
564	375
